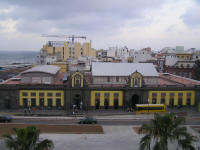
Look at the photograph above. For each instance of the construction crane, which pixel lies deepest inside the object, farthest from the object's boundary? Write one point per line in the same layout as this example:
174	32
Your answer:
72	37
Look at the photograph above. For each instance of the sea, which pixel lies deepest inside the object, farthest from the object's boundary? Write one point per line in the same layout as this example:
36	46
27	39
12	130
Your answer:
10	57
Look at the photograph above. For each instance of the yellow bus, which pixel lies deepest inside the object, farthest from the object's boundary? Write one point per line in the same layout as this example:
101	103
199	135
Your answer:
149	108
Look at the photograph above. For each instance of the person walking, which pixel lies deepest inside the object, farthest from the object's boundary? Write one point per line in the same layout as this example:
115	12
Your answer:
29	110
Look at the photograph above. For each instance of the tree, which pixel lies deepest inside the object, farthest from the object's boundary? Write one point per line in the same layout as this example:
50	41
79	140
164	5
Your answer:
163	129
27	139
197	69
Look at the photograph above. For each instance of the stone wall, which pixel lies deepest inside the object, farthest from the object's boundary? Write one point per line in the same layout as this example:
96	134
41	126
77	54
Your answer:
9	98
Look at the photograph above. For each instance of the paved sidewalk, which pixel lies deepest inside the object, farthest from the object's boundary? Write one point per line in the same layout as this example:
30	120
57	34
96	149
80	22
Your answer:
114	138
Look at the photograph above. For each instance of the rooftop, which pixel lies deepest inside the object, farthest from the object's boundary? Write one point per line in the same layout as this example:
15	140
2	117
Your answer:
13	81
51	69
123	69
170	79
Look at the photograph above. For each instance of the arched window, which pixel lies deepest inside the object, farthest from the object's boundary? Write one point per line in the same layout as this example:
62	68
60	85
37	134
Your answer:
77	80
136	79
136	82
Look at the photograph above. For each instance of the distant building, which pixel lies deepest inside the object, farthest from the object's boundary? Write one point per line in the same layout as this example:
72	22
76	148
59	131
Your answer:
160	64
196	55
121	53
62	65
142	55
170	59
82	64
168	50
102	53
184	56
41	58
50	59
182	68
63	50
179	49
112	51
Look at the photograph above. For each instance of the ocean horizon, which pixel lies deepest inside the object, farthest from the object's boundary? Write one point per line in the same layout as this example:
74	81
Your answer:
17	56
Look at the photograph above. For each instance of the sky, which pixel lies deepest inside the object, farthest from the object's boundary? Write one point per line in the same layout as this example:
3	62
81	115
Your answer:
107	23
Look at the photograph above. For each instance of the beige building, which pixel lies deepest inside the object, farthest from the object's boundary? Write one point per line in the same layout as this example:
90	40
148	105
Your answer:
64	50
62	65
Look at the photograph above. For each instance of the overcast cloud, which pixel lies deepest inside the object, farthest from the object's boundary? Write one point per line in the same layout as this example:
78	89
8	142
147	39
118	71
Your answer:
135	23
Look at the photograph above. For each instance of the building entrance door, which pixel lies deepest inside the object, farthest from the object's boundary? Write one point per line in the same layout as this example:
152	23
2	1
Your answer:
77	101
116	103
134	100
25	102
171	102
50	103
106	103
97	103
41	103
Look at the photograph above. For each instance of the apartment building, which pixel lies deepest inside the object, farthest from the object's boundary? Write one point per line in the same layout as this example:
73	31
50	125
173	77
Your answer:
62	50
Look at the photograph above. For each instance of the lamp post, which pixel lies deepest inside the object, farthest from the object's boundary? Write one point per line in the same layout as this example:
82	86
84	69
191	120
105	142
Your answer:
148	105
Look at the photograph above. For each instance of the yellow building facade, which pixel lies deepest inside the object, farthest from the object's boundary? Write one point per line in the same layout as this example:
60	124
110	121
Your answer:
77	50
55	98
172	98
88	50
45	98
112	98
184	56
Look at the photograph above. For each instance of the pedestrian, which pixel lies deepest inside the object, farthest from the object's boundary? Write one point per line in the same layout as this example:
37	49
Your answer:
29	110
81	106
74	106
24	110
34	109
76	111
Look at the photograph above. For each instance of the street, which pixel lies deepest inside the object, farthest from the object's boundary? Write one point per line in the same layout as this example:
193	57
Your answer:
107	120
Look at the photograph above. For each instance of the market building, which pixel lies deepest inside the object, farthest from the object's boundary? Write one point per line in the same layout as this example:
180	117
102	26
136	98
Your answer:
106	86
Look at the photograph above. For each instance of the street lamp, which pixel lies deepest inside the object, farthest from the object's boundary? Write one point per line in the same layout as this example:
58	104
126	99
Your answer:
81	106
148	105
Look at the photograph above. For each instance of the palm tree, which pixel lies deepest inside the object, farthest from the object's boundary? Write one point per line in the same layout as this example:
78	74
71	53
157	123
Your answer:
27	139
163	129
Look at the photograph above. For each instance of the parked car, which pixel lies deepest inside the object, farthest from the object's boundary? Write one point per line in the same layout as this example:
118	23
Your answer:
88	120
5	119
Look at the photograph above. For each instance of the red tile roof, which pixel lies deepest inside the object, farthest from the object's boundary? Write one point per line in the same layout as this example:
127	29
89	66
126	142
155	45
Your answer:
59	78
164	79
177	80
